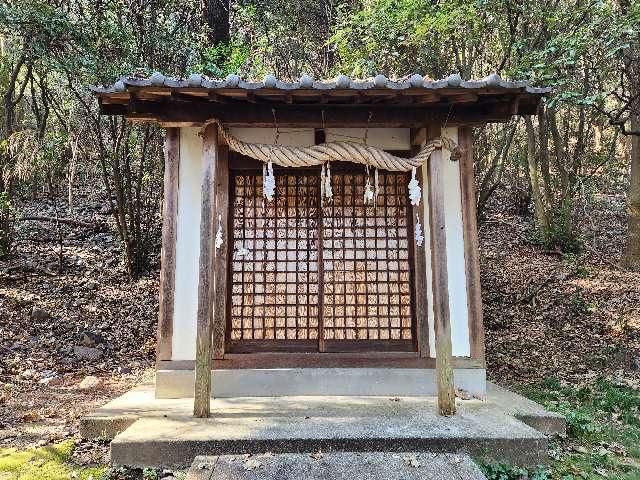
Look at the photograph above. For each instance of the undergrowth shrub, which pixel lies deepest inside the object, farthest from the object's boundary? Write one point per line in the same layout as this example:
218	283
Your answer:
7	223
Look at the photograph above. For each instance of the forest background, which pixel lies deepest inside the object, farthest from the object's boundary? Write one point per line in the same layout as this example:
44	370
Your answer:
558	194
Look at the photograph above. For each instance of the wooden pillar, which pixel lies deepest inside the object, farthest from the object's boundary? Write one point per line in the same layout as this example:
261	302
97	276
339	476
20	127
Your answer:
168	252
221	254
471	251
440	283
418	138
206	284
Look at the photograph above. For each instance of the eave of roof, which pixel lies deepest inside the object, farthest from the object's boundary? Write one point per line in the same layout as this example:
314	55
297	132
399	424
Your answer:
412	101
342	82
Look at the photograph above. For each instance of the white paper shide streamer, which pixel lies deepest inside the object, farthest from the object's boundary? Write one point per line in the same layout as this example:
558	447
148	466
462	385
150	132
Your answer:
325	183
269	181
368	189
219	233
419	235
368	192
415	192
328	191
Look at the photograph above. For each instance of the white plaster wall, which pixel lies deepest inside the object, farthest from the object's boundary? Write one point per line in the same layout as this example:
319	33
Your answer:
188	233
185	304
458	310
385	138
292	137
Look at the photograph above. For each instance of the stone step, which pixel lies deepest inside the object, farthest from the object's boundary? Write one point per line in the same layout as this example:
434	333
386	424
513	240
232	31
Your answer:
375	426
336	466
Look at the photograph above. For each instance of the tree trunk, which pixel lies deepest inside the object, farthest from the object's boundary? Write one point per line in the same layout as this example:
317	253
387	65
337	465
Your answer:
631	254
216	18
532	162
493	177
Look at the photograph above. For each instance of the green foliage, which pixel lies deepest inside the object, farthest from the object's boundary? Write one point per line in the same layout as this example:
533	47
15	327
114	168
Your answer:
558	237
150	474
577	264
285	38
359	37
222	59
501	471
46	463
51	32
603	431
7	221
580	305
581	424
402	36
551	383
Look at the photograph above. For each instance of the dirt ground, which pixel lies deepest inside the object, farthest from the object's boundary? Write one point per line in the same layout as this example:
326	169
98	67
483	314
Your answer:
547	314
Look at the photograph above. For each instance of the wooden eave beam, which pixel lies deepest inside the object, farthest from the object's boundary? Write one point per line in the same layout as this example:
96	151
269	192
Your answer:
463	98
215	97
310	115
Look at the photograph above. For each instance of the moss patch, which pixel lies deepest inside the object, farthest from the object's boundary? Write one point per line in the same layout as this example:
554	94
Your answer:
46	463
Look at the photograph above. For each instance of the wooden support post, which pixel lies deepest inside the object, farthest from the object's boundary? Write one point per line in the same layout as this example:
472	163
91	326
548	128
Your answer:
471	252
440	284
221	254
419	138
206	284
168	252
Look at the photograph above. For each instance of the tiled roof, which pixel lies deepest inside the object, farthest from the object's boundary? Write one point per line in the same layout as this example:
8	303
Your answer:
343	82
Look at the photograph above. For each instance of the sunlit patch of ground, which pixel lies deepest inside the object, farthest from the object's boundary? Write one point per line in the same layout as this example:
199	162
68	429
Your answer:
52	462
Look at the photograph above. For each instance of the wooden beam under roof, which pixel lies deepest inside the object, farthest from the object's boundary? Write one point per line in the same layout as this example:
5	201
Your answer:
316	115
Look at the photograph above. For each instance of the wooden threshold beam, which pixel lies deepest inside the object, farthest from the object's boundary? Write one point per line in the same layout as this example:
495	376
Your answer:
234	361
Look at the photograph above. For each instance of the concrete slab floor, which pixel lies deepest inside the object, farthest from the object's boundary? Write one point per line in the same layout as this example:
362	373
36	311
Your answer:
164	432
140	402
336	466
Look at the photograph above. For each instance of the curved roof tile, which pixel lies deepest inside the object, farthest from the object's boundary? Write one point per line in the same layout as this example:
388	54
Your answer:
307	82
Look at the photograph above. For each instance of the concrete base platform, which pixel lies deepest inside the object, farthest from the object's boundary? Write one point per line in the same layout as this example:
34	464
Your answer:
163	432
336	466
292	382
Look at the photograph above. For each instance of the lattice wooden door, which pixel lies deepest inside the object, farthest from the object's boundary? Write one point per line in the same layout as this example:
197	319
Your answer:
306	278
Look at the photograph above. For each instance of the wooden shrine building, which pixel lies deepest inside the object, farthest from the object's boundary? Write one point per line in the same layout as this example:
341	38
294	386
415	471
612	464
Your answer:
319	273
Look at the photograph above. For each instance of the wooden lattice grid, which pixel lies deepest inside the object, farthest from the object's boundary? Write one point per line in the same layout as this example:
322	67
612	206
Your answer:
361	254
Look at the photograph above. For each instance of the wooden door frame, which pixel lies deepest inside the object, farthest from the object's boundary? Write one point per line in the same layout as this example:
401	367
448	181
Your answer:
241	165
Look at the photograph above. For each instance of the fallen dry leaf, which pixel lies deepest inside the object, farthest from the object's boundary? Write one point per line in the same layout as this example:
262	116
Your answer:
252	464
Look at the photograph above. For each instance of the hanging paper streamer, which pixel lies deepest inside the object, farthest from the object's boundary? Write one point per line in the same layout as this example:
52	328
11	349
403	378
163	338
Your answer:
415	192
419	236
328	191
219	233
325	183
368	190
269	181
